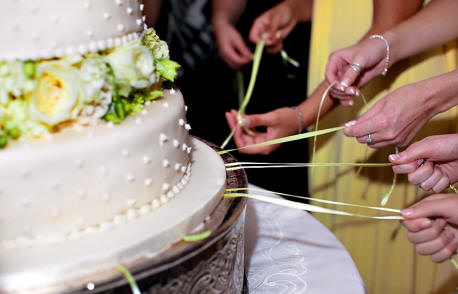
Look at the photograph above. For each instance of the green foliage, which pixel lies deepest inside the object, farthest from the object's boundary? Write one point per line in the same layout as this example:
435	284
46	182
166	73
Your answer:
167	69
29	67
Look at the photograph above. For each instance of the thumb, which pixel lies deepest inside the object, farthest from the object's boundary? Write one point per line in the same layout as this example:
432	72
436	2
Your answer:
413	153
258	120
428	208
349	77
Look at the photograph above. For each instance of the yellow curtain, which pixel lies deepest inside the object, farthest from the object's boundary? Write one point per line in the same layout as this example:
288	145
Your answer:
387	262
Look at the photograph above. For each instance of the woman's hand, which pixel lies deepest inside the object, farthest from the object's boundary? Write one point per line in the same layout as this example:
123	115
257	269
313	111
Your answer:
431	163
432	226
352	67
277	23
231	46
396	118
279	123
274	25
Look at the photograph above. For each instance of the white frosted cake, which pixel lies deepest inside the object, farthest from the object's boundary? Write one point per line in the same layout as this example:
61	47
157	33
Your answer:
97	163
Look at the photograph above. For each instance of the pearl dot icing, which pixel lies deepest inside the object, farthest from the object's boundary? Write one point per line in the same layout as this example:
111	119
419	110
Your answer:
130	177
131	202
165	163
125	152
146	159
148	182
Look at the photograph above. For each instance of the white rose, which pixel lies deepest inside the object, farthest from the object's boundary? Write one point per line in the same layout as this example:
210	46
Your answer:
133	65
57	93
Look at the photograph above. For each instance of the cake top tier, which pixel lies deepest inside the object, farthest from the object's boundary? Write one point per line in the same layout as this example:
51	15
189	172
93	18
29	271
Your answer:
36	29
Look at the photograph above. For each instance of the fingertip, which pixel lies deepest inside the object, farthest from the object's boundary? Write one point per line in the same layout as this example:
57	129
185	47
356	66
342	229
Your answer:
407	212
394	158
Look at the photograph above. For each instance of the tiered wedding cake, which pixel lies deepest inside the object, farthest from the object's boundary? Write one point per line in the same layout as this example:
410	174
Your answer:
97	163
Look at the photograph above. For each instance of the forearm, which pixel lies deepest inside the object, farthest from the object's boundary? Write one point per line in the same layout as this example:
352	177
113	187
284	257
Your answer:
434	25
309	107
227	10
303	9
442	92
152	10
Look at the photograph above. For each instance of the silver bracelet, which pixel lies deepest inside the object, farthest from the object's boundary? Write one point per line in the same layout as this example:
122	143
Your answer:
387	56
300	120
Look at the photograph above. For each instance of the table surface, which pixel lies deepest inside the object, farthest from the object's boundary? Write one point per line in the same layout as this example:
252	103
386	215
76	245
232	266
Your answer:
289	251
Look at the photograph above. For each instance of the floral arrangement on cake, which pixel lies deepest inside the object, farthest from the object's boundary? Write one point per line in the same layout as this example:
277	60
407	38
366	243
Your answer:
40	97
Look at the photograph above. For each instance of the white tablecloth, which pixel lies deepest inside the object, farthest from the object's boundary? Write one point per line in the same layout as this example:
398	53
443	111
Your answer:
289	251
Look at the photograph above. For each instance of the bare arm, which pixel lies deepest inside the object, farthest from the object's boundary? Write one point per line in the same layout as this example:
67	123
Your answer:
434	25
152	10
227	10
386	14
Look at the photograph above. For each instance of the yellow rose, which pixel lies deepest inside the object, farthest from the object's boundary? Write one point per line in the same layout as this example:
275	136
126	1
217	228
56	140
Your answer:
57	92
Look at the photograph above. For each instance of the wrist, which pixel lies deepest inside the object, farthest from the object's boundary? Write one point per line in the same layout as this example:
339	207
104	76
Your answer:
302	9
442	92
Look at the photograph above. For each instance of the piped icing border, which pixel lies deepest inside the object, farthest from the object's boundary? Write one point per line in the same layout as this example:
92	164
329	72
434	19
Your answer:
132	213
93	46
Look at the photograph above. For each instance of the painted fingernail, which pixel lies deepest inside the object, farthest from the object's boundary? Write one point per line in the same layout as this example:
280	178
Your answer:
350	123
245	122
394	157
345	82
407	212
425	224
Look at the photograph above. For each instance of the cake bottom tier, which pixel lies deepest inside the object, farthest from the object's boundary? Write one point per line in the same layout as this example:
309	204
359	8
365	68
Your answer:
51	269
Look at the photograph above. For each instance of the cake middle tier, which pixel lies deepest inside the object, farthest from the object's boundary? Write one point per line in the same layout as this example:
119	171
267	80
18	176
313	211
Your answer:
91	178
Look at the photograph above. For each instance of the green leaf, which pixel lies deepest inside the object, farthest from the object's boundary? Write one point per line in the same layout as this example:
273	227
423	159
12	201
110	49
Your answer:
13	133
29	67
167	69
3	140
154	95
112	117
120	109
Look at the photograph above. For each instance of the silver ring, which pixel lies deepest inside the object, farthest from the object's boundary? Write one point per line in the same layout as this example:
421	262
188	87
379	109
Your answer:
369	139
356	67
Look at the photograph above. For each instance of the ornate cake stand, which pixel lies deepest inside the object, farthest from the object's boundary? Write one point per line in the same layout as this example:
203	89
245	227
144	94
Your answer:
212	265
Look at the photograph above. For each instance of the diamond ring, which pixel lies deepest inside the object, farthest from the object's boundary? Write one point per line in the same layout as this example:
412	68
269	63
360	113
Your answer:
369	139
356	67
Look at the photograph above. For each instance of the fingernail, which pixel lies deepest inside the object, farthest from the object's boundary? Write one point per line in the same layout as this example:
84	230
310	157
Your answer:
357	93
345	82
441	222
351	103
425	224
407	212
352	91
394	157
420	162
245	122
350	123
341	88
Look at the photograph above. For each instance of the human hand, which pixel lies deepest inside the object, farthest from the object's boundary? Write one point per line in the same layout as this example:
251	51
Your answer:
395	119
438	238
274	25
431	163
231	46
279	123
352	67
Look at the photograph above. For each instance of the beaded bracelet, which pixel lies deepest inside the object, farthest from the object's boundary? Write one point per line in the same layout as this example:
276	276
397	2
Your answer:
387	57
300	120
